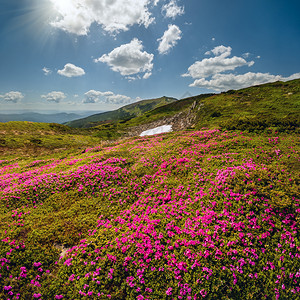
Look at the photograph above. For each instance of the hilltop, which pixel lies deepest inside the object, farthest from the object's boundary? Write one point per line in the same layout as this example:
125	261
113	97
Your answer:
254	109
124	113
272	105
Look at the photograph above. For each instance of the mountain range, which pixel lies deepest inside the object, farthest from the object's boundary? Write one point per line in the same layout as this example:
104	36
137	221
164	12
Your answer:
124	113
254	108
59	118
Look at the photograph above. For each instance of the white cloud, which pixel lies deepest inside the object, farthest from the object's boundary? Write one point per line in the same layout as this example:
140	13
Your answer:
147	75
217	64
209	73
54	96
246	55
71	70
76	16
109	97
291	77
119	99
224	82
12	96
169	39
46	71
93	96
128	59
132	78
172	10
220	51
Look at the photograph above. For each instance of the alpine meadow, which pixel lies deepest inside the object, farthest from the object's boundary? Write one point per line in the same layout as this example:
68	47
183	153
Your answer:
149	150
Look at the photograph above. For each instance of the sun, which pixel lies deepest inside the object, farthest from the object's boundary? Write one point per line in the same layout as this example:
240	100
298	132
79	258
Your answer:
37	20
63	7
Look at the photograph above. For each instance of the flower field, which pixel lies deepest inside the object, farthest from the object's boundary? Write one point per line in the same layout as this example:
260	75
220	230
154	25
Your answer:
185	215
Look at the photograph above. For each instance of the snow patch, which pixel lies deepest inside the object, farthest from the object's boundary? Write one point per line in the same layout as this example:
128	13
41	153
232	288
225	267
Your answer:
157	130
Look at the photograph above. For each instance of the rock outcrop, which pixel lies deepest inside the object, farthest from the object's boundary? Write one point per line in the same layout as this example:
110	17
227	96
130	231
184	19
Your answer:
183	120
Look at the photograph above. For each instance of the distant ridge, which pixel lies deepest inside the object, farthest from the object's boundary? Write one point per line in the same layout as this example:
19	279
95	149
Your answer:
124	113
186	95
59	118
273	105
258	107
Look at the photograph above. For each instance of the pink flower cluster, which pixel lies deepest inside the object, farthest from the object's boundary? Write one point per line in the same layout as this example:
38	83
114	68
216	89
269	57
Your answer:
190	217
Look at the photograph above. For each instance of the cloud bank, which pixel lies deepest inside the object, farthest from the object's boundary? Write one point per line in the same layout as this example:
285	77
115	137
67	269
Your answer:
224	82
212	73
76	16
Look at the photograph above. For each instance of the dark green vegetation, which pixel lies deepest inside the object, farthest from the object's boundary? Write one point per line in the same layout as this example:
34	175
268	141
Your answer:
124	113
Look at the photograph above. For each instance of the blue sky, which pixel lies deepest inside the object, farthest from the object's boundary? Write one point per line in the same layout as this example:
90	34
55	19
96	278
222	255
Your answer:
80	55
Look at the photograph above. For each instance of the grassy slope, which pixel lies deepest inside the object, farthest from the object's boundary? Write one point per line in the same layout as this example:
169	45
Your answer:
114	130
28	138
186	214
166	110
123	113
254	109
267	103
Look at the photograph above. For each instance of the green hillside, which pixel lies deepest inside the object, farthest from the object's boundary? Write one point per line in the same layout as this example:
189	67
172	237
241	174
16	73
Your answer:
256	108
273	105
113	130
31	139
123	113
166	110
269	105
21	127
